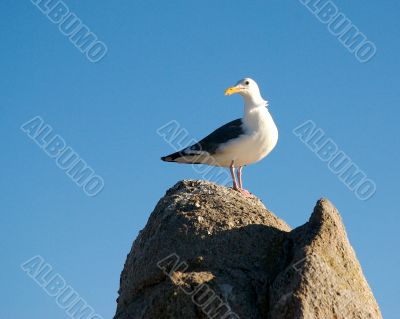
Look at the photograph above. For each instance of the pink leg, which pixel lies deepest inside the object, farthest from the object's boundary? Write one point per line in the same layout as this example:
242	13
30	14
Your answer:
232	170
239	174
241	190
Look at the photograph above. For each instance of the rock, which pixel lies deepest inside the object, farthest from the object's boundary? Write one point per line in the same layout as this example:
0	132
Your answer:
209	252
324	278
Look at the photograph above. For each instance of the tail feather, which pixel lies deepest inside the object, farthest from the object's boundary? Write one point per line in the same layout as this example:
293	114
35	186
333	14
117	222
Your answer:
172	157
182	157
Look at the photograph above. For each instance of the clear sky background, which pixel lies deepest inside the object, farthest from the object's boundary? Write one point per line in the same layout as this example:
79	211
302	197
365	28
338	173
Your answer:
172	61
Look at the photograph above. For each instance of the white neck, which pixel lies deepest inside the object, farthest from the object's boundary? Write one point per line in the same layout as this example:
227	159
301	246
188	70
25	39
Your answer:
252	102
256	113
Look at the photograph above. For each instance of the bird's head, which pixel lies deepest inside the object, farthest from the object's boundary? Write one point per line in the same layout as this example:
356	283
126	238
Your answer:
247	88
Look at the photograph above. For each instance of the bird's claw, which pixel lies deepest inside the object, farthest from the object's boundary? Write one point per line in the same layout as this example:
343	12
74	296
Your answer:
242	191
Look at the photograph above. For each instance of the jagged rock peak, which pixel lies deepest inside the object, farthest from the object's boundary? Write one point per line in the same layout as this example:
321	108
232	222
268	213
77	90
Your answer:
209	252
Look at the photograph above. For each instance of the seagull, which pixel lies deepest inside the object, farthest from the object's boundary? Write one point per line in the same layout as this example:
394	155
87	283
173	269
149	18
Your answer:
238	143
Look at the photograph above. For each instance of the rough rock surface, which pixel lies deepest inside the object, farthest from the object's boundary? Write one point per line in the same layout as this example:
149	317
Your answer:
209	252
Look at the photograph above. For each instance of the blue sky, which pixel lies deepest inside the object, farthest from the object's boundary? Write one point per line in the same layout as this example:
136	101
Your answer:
172	61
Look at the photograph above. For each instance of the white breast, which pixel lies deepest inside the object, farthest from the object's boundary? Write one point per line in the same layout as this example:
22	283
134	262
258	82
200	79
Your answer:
261	136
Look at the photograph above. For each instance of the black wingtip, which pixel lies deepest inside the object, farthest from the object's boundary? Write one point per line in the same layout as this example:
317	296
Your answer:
166	159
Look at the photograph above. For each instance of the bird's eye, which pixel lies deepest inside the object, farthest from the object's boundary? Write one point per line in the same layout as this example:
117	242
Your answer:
247	82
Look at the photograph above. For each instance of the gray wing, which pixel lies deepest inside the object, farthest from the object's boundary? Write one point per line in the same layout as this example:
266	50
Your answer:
211	142
221	135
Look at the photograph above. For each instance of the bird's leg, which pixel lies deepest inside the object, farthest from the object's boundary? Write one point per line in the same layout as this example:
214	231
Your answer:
239	174
232	170
241	190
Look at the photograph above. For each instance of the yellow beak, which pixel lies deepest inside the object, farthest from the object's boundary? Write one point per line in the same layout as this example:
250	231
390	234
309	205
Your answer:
232	90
